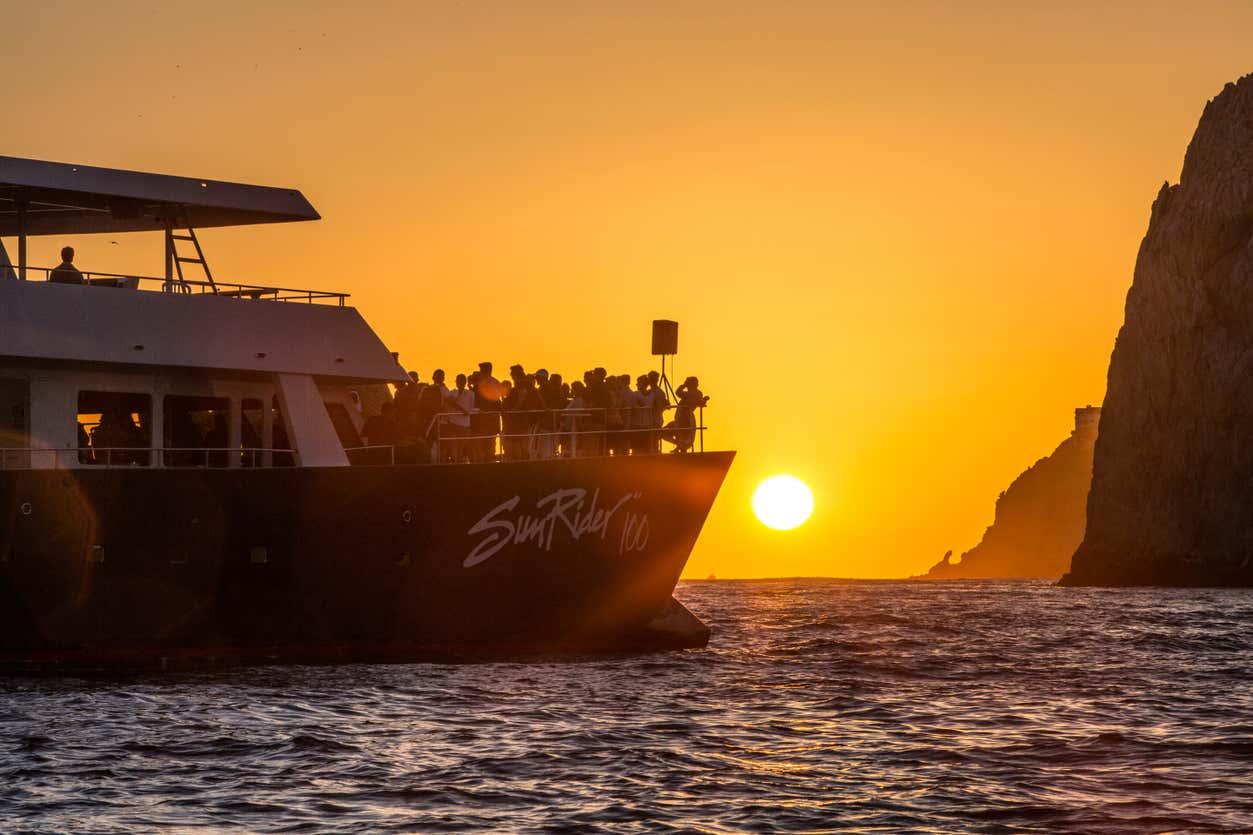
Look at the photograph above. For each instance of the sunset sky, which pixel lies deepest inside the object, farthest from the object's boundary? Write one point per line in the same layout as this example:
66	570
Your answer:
897	236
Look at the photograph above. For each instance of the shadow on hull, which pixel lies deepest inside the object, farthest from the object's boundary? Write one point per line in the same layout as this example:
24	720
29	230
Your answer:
103	568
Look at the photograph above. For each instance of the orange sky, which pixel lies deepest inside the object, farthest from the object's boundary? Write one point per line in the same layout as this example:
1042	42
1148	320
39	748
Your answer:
897	235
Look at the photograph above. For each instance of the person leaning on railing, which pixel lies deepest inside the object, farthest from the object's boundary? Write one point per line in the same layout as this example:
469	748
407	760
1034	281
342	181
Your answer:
542	417
684	424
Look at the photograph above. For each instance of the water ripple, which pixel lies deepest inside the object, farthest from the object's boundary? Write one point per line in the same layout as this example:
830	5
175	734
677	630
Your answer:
820	706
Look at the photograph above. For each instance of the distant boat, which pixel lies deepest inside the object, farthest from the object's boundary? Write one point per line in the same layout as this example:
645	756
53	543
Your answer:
183	479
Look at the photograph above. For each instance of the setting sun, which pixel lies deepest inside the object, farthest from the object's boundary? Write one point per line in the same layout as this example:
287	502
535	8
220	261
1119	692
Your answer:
783	502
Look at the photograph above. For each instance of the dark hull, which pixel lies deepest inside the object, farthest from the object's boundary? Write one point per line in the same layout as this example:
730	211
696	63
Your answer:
340	564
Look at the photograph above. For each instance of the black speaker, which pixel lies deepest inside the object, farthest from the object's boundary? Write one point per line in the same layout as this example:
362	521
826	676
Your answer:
665	337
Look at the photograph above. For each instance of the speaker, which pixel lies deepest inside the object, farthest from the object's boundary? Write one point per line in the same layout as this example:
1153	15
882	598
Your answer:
665	337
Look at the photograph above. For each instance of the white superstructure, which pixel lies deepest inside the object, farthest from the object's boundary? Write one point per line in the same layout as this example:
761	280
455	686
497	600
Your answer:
166	372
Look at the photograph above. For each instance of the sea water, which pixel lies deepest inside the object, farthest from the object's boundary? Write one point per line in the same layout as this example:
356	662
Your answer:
818	706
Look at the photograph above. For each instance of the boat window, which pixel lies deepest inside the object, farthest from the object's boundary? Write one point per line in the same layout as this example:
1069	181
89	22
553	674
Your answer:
281	439
114	428
196	431
14	424
252	431
340	419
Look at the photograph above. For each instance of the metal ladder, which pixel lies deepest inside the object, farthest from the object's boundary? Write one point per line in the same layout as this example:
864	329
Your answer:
174	261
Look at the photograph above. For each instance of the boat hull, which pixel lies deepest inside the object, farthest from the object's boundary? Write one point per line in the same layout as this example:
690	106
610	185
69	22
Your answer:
114	566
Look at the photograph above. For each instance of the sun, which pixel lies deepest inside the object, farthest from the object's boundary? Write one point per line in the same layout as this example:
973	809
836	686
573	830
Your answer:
783	502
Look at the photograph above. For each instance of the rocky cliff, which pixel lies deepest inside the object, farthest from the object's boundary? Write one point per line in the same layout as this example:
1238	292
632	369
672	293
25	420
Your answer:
1172	486
1039	519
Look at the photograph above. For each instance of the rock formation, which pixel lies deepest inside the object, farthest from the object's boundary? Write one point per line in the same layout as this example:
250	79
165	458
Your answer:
1172	485
1039	519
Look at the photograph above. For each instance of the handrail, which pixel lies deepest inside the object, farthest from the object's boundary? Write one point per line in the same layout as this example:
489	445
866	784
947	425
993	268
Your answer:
561	439
90	457
531	444
221	288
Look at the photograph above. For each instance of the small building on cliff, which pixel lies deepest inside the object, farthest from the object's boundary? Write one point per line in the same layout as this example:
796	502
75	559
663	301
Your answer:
1040	519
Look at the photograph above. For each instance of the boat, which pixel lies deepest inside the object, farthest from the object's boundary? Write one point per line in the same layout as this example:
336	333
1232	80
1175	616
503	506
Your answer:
278	535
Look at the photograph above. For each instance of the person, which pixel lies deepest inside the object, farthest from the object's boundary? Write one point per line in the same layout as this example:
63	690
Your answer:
641	417
596	401
537	442
556	393
690	399
615	416
380	429
407	409
116	434
85	455
460	402
659	403
550	389
430	404
488	386
572	422
437	381
66	272
218	440
184	439
488	393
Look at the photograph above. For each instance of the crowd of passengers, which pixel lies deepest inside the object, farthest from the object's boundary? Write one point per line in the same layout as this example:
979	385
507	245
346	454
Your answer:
534	416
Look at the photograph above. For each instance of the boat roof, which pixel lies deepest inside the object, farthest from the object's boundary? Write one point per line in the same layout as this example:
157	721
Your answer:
82	324
66	199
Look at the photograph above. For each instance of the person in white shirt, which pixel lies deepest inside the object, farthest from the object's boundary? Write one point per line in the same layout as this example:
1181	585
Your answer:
459	401
659	403
640	416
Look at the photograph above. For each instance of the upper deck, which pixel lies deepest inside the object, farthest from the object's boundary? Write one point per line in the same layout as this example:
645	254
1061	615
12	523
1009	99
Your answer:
94	325
172	320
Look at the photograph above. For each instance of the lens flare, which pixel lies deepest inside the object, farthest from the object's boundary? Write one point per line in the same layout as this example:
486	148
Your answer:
783	502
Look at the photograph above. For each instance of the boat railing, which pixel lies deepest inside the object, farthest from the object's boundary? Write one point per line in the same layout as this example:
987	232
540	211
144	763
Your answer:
219	288
25	458
547	434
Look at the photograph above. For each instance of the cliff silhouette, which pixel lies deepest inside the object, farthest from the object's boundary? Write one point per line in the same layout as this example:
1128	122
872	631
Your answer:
1172	485
1039	520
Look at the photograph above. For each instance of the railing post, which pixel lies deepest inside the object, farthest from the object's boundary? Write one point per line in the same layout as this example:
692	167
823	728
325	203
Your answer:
21	238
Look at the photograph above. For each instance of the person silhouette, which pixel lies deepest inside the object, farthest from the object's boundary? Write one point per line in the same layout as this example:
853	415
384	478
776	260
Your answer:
66	272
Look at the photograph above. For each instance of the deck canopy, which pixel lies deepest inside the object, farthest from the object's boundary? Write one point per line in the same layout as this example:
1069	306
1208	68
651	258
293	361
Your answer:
56	198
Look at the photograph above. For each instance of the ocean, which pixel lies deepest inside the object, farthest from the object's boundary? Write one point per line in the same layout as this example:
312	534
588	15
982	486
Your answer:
819	706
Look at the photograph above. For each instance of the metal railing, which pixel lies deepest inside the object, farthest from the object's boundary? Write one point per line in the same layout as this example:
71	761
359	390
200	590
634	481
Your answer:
570	433
219	288
23	458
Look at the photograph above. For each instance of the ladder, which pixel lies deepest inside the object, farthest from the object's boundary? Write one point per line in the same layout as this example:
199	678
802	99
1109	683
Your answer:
174	261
